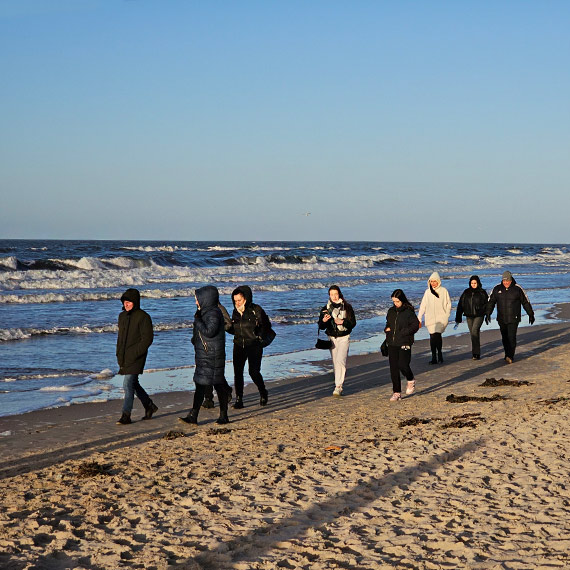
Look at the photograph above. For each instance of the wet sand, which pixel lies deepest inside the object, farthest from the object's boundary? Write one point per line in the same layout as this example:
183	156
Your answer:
309	481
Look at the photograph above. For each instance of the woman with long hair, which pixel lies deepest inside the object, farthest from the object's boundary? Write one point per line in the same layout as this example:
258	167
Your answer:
401	326
435	308
472	304
337	320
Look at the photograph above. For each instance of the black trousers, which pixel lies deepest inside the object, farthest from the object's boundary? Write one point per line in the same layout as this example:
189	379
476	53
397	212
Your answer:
435	342
509	337
252	355
221	391
209	393
474	325
399	360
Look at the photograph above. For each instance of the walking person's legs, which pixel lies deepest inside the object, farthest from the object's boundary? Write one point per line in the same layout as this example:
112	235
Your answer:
474	325
239	360
512	340
339	354
394	362
404	359
254	356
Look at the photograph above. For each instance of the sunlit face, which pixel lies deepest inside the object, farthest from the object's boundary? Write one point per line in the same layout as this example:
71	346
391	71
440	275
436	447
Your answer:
474	284
197	304
128	305
507	283
397	302
239	300
334	296
434	283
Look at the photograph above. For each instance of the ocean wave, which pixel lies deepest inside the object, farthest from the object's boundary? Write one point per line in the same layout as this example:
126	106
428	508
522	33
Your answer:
475	257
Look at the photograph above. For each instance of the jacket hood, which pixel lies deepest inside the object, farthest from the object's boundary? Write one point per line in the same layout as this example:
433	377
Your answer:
244	290
435	277
207	296
133	296
475	278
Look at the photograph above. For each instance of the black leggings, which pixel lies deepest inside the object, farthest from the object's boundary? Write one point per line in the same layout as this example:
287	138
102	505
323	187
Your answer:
221	391
435	342
399	359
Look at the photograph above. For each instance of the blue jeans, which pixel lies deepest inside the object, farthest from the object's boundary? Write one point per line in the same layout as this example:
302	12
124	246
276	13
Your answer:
131	387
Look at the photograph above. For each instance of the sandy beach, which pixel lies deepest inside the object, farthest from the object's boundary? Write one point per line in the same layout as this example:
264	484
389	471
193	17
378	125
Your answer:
309	481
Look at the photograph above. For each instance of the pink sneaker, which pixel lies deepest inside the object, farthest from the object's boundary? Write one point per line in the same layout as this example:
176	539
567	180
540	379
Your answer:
395	397
411	388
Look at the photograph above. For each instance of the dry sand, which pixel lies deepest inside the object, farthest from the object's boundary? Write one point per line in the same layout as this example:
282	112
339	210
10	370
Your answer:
310	481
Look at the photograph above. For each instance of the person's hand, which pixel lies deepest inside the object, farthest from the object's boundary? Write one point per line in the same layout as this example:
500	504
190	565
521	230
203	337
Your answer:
339	321
457	322
326	318
531	319
387	329
420	324
487	319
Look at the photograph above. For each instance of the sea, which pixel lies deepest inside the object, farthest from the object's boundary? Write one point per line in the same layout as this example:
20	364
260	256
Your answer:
59	303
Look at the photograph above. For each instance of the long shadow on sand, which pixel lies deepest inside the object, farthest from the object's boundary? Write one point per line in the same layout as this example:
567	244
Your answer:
250	547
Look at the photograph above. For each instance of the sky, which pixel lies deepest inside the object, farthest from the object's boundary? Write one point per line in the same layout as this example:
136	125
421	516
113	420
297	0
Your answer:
369	120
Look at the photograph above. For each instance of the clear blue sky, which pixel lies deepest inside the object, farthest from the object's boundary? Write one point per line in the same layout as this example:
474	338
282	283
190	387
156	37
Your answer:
386	120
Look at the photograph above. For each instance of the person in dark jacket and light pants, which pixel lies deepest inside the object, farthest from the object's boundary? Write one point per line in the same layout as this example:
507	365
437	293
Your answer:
472	304
248	323
337	319
209	340
133	341
401	326
509	296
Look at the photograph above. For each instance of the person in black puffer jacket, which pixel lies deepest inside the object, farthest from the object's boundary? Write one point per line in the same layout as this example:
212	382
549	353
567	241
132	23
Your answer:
509	296
401	326
248	324
337	319
473	304
133	341
209	340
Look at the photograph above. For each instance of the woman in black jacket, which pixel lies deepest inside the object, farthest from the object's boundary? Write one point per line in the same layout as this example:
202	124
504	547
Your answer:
337	319
209	340
472	304
401	326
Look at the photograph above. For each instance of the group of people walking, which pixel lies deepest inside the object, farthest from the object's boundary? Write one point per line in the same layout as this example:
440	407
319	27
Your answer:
251	329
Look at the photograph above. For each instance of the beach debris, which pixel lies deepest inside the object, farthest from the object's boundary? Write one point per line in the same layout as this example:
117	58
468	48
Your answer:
333	449
414	422
92	469
554	400
219	431
464	421
493	382
462	399
173	434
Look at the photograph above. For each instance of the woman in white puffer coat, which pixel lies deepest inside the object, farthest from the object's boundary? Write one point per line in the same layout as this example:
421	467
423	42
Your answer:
435	308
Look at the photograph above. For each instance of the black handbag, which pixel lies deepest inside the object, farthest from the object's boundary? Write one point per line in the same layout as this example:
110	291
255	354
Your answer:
321	342
384	348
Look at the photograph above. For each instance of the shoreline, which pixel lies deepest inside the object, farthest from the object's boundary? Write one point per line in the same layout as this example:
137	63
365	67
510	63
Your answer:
309	481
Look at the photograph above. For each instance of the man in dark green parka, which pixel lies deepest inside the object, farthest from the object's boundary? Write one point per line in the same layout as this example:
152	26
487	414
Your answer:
134	338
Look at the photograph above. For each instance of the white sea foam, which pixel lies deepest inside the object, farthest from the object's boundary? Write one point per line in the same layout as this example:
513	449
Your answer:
105	374
9	262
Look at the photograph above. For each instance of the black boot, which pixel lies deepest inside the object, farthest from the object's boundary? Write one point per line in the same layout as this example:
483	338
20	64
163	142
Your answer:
152	407
191	418
238	403
263	397
124	419
208	403
433	358
223	419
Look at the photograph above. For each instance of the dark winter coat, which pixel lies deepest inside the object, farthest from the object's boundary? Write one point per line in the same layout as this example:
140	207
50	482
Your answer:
509	303
135	335
248	328
473	302
331	328
209	338
403	324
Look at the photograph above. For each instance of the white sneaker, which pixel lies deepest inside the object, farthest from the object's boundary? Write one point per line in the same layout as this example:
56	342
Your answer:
411	388
395	397
337	392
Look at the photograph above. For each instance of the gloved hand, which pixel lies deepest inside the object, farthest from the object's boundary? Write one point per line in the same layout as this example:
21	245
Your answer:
487	319
455	326
531	320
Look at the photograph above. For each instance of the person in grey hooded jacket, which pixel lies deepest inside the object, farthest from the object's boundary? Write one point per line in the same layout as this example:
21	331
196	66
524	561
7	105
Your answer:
209	340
